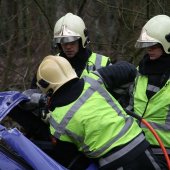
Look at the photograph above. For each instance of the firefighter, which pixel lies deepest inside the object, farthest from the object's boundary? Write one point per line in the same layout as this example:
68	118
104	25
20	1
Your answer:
87	118
71	38
150	95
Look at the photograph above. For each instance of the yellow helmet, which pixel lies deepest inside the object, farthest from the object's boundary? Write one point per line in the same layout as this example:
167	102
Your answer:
70	28
156	30
53	72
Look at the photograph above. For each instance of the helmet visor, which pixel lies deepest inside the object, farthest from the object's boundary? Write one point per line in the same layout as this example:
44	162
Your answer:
145	40
62	40
65	36
144	44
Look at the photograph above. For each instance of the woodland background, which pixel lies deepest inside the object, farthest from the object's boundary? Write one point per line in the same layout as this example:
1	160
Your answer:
26	31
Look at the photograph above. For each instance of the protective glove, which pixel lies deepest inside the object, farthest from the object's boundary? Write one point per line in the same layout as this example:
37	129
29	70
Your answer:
37	103
33	95
36	99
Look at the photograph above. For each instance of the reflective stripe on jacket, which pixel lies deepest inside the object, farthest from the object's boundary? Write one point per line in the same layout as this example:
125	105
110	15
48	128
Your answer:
95	62
95	122
156	110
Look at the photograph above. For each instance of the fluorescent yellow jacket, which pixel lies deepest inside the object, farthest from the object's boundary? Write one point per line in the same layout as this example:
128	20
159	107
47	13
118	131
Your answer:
156	110
95	62
95	122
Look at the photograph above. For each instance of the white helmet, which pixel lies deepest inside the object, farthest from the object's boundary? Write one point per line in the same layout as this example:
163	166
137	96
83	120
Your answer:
70	28
156	30
53	72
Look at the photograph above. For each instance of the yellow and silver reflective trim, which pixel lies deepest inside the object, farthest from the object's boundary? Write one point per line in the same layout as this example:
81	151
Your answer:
116	155
96	64
96	61
61	127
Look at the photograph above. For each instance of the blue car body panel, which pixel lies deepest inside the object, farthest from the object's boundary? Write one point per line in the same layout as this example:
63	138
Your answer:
6	162
8	100
32	155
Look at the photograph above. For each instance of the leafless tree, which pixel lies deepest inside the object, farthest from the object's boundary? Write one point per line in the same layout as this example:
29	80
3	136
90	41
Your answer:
26	31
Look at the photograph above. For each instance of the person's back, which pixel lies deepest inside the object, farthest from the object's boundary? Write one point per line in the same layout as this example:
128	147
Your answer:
150	96
103	132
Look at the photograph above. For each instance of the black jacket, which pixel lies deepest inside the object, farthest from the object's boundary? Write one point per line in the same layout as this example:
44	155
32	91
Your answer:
157	71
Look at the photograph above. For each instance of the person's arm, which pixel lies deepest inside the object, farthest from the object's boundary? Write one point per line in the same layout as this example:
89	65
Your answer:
118	74
117	78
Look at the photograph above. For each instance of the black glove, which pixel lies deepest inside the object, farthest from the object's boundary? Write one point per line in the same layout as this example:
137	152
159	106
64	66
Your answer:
35	99
37	102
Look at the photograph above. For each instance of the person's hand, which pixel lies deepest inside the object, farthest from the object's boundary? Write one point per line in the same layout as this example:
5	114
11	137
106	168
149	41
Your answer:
31	92
34	96
37	103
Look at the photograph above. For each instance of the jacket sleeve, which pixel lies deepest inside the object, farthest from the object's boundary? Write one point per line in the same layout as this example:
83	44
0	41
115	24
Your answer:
118	74
117	78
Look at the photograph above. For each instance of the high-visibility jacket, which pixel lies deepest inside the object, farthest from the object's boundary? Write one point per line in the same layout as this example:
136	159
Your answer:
95	122
156	110
95	62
